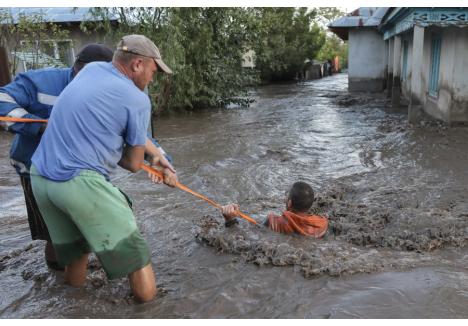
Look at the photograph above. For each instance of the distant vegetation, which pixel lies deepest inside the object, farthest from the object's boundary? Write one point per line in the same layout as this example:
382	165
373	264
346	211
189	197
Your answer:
28	36
205	47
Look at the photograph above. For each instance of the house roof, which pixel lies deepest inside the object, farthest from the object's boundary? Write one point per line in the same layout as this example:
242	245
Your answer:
56	15
362	17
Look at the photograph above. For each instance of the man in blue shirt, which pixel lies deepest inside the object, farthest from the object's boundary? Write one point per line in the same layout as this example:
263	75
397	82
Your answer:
99	121
32	95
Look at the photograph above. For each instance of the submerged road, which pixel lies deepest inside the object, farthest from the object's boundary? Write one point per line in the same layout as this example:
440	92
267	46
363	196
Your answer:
396	196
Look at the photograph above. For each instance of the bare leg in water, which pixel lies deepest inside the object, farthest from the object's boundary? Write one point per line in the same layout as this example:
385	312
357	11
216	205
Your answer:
143	284
142	281
75	273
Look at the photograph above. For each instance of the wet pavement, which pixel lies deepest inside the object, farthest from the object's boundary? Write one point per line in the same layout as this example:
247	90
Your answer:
396	197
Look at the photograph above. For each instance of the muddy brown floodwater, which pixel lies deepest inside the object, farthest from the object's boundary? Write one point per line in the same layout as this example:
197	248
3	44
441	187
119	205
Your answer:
396	196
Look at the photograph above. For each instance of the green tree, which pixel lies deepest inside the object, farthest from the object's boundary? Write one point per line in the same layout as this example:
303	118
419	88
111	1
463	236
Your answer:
286	37
28	37
327	15
210	44
203	47
333	47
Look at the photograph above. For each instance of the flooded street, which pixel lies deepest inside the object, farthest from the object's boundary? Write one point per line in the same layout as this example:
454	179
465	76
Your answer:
396	197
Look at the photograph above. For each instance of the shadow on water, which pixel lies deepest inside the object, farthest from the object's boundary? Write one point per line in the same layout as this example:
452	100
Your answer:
395	195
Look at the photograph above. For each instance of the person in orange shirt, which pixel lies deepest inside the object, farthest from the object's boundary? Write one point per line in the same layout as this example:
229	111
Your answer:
296	217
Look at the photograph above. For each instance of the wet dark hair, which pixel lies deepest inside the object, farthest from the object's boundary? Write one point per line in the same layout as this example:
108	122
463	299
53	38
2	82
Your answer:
301	196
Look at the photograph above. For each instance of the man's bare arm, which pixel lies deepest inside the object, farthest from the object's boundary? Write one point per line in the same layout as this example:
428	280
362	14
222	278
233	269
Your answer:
132	158
157	159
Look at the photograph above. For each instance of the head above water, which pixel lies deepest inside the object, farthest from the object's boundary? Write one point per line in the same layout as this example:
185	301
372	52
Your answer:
138	58
90	53
300	197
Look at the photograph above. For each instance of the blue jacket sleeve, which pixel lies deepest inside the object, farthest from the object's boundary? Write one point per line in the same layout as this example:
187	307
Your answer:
15	100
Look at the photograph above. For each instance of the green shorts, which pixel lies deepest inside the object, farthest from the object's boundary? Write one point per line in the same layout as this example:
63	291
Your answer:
87	213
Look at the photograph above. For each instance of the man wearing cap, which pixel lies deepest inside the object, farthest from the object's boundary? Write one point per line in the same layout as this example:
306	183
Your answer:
98	122
32	95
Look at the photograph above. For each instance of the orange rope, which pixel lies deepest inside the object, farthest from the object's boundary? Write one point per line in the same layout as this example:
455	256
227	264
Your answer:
150	170
10	119
196	194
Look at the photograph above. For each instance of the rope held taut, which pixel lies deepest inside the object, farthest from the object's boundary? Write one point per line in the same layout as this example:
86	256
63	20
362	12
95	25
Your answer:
196	194
11	119
150	170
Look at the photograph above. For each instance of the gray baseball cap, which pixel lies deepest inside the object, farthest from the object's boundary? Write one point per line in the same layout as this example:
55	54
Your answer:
141	45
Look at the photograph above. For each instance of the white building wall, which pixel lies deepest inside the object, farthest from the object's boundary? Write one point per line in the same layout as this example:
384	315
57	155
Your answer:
445	81
459	89
366	57
451	104
439	107
406	80
425	61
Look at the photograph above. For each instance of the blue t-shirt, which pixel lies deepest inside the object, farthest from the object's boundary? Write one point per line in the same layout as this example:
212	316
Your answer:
99	111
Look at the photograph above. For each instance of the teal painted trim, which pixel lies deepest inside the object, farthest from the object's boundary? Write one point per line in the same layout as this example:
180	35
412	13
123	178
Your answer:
445	16
405	60
405	23
396	14
436	46
404	20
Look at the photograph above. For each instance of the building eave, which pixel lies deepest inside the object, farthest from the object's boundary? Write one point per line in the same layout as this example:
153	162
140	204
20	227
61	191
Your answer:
363	17
400	20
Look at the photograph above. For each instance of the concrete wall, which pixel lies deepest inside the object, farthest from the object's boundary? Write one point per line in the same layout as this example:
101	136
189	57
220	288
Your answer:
366	57
459	87
406	82
451	104
420	84
438	107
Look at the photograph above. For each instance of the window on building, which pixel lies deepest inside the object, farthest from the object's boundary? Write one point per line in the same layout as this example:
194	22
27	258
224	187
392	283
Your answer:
405	60
33	60
46	53
435	63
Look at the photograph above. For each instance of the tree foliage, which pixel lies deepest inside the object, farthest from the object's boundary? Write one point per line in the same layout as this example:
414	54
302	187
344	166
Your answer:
203	47
333	47
29	36
286	37
327	15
